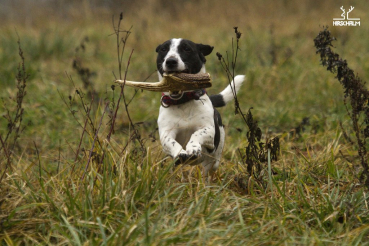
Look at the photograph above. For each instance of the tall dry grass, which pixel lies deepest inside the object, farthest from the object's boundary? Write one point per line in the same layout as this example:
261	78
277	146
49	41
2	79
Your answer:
312	194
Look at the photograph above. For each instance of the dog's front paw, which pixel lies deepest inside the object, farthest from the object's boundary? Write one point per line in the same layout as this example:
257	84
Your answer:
185	158
193	149
181	158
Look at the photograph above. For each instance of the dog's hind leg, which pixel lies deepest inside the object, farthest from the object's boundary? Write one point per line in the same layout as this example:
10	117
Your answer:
211	161
210	166
208	171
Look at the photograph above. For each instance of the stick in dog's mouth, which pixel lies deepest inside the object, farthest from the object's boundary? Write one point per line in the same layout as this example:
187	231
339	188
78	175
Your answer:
173	82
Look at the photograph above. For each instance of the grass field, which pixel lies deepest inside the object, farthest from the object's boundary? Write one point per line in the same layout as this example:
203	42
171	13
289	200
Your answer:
64	183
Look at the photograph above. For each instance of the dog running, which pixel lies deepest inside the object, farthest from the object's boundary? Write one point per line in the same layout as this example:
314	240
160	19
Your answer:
190	128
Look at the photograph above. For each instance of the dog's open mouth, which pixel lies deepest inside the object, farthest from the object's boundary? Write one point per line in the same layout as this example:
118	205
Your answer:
174	72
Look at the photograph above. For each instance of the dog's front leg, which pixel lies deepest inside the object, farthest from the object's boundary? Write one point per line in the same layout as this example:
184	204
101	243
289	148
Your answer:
202	137
171	146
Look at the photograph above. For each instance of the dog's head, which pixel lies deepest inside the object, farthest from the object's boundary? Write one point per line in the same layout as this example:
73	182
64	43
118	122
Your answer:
182	55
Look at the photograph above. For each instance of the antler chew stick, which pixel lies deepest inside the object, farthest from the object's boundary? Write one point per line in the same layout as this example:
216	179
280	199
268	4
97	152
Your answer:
174	82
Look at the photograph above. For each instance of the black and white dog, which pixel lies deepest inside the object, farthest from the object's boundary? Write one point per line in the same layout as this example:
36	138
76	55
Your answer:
190	127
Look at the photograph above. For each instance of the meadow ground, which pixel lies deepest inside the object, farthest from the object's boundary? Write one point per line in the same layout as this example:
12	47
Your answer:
64	182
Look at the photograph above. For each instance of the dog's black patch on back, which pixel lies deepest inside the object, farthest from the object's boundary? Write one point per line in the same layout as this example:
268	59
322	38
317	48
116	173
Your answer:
217	124
217	101
218	118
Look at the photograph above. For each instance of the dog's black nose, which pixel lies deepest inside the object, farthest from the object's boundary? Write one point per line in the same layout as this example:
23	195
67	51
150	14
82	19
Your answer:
171	62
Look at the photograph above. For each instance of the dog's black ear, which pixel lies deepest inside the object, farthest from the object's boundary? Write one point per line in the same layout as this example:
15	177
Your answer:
205	49
157	48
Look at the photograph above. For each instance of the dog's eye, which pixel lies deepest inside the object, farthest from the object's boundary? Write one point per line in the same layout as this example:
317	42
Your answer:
164	49
187	49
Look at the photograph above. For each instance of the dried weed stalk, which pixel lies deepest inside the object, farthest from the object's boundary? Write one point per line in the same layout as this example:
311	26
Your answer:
14	116
355	93
97	152
256	152
121	44
85	73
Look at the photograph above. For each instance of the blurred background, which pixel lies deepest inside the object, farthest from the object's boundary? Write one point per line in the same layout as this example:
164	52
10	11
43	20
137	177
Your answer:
285	82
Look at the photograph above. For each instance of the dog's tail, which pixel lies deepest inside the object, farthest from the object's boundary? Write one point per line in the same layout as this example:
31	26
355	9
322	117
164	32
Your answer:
226	95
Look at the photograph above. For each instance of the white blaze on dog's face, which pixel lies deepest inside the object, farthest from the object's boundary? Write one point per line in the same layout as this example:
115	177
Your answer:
181	55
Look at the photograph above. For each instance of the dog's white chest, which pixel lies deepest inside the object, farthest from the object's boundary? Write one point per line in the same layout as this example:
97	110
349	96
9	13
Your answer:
185	119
